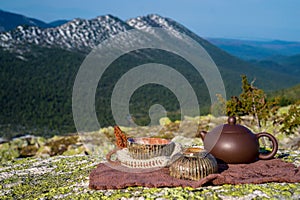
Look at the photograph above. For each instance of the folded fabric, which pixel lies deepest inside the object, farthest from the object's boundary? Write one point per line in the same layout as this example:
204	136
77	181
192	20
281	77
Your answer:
262	171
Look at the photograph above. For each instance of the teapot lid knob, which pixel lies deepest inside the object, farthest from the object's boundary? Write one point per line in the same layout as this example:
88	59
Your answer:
232	120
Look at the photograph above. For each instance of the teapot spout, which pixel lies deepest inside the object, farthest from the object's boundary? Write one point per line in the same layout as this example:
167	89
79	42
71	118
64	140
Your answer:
202	134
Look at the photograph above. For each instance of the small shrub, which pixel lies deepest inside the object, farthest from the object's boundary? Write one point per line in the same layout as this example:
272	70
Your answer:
290	121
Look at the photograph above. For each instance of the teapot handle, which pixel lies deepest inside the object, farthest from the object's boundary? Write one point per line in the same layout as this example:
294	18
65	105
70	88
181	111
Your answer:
274	144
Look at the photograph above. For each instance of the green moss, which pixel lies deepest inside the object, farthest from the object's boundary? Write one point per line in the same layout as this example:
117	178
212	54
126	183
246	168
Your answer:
262	191
46	178
66	177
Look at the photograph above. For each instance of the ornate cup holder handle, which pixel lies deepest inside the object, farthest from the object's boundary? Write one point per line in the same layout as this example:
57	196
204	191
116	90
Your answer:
108	157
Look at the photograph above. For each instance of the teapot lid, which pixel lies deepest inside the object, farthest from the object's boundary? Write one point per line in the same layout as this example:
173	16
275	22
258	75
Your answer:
232	127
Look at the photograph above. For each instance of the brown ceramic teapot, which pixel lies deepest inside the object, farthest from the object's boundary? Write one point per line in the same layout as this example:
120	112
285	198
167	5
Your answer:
233	143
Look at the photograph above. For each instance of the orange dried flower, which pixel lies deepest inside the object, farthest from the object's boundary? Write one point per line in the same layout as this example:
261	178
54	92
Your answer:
121	138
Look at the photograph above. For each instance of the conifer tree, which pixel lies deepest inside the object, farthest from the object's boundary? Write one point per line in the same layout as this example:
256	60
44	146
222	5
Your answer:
252	101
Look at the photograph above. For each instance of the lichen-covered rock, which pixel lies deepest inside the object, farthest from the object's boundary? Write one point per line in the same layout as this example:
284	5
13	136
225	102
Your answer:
102	141
32	146
66	177
164	121
59	144
7	152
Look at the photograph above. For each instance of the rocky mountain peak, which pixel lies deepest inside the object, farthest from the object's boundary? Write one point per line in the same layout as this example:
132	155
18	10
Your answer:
77	34
151	20
81	34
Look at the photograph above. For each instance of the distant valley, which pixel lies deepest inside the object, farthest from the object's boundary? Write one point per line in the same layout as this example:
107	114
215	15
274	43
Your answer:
276	55
257	50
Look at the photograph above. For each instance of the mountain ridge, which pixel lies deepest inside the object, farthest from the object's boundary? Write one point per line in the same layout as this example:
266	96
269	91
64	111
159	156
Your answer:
242	48
9	21
77	34
246	49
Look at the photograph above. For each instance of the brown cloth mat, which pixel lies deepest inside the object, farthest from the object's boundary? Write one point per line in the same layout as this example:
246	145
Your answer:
262	171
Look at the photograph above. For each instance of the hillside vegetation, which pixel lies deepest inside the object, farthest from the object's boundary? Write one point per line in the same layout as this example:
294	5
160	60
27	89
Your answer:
288	95
36	88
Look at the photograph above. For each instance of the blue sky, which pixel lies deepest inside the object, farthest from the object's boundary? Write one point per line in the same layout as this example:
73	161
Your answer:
244	19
